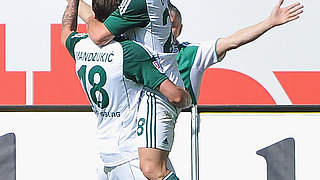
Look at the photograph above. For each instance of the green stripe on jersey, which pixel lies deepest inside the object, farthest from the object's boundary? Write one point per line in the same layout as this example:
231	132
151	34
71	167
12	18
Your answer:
128	16
138	65
155	123
185	59
151	120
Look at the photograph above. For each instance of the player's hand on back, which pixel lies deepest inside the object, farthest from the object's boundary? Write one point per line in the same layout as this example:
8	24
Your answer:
283	15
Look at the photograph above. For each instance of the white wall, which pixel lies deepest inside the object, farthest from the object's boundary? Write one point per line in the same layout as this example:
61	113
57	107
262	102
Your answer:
288	47
61	145
52	145
291	47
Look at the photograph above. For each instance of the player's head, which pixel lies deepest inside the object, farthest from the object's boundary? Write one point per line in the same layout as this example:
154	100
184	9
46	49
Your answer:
176	19
103	8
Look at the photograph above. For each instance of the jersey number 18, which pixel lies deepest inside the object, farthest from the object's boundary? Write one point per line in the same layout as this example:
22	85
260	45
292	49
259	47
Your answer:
102	100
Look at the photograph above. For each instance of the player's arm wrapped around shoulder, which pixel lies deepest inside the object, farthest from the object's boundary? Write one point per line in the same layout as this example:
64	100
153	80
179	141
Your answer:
141	67
175	94
130	14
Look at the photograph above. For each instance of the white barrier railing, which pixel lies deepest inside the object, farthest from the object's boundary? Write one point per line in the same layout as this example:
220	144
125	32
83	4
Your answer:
195	125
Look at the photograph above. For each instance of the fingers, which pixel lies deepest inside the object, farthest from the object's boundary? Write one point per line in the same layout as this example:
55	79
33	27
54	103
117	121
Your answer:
295	8
280	3
296	13
293	5
293	18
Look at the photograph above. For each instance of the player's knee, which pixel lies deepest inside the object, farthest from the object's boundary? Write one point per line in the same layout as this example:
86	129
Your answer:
178	99
151	170
147	170
182	99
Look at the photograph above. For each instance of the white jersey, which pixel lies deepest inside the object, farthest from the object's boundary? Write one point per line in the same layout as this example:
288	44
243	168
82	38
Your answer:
148	22
109	76
193	60
145	21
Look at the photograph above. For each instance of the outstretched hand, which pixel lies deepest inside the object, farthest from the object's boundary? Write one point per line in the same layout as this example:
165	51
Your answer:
281	16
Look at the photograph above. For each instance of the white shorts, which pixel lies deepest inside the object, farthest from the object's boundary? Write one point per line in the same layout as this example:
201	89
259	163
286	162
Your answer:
156	122
127	171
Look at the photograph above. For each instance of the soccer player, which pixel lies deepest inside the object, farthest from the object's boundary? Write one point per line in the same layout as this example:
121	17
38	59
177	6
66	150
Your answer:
145	21
148	22
194	59
110	75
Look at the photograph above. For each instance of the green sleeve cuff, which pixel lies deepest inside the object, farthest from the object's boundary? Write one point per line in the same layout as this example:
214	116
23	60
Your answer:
72	40
70	44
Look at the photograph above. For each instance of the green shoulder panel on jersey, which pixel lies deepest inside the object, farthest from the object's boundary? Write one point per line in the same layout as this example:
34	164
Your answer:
140	66
72	40
130	14
185	59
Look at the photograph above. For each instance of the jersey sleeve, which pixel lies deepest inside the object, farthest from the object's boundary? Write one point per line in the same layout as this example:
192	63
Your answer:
140	66
72	40
130	14
207	55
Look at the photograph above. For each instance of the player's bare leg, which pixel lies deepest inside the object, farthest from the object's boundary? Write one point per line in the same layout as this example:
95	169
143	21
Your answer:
155	136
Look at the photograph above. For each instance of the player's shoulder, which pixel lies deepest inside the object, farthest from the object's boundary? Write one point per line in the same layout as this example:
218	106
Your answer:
141	6
135	51
208	45
77	35
132	6
186	46
73	39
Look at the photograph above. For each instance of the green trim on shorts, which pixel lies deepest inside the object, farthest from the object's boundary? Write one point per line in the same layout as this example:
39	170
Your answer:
151	116
155	123
147	142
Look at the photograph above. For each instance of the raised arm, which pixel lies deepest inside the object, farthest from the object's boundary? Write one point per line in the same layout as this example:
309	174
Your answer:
278	17
85	11
69	20
97	31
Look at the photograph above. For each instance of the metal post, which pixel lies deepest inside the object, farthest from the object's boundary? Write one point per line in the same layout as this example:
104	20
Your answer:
194	143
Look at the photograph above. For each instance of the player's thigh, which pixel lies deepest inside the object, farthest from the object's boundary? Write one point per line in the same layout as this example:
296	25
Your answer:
153	156
129	170
156	122
101	174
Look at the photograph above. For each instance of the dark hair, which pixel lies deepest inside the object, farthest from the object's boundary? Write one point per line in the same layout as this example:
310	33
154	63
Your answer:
175	10
103	8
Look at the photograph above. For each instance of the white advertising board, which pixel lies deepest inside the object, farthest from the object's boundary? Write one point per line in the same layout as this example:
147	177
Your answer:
61	145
